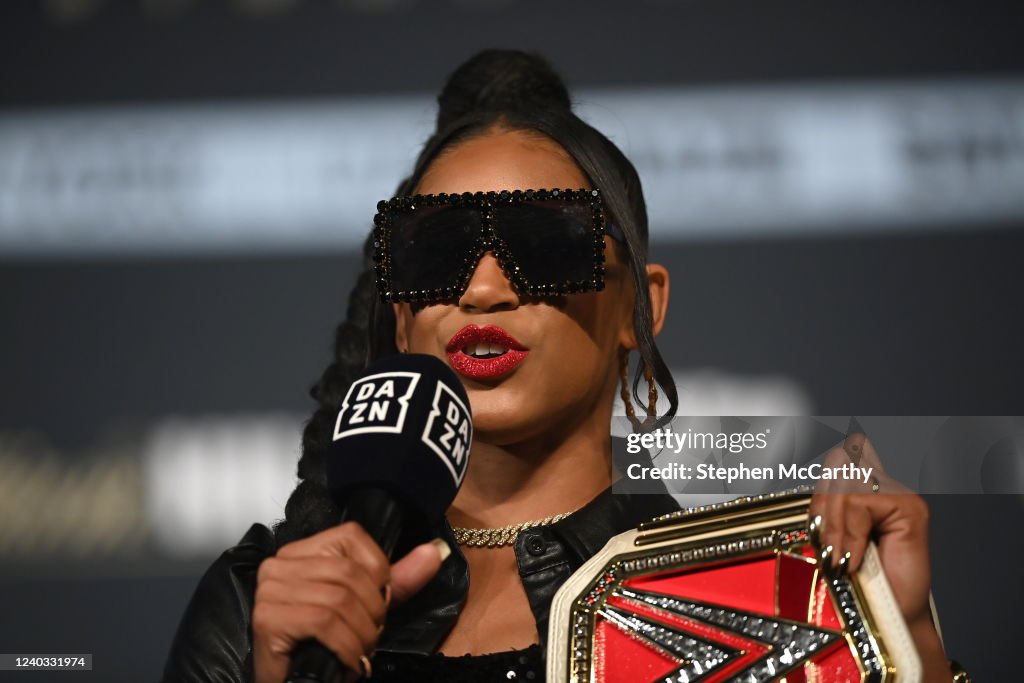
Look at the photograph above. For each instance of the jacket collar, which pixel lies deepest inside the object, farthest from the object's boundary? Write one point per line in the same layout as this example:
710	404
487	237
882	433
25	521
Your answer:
588	529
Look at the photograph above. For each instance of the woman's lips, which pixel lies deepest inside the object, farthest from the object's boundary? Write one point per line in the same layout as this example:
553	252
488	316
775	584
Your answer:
472	338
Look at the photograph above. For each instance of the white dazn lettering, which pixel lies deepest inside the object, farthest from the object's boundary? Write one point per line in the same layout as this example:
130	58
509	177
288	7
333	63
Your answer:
459	451
357	413
446	438
379	410
387	389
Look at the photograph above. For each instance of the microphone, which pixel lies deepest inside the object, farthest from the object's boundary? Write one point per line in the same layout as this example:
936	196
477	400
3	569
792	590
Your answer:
398	456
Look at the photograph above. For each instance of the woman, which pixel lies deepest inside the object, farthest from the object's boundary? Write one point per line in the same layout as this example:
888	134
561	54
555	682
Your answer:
541	450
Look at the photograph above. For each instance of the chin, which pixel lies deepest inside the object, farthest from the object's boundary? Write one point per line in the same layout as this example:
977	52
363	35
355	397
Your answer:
503	426
497	426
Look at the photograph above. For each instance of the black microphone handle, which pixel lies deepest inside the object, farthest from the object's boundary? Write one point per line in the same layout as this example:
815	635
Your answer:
381	515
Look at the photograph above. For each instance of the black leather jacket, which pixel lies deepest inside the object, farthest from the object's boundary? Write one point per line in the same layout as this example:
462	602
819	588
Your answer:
213	642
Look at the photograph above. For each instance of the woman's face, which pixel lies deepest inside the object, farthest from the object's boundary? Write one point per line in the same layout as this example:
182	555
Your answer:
569	368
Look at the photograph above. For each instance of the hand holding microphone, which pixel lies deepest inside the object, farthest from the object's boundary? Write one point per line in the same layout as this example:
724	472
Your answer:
400	451
331	587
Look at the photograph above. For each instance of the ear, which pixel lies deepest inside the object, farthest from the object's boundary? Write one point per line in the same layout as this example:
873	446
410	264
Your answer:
402	313
658	287
658	293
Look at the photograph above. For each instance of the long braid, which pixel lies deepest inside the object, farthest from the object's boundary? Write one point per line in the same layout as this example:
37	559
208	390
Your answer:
310	508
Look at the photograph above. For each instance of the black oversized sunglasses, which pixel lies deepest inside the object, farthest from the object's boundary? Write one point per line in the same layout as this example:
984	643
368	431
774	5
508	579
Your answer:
548	242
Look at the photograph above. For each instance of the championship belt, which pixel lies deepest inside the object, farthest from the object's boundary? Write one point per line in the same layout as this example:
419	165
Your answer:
727	592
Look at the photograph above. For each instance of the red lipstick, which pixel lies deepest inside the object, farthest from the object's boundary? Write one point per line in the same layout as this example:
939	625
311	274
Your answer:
487	352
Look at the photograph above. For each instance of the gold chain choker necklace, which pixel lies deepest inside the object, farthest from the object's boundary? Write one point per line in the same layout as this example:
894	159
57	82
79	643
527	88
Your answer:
501	536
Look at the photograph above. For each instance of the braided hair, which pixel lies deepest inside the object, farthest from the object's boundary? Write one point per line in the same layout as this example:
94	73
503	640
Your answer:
495	89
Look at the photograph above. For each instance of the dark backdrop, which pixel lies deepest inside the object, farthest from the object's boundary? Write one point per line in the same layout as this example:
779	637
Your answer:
879	323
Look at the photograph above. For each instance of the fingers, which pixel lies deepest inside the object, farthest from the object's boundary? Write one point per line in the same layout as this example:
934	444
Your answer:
333	576
329	599
847	525
333	587
327	587
278	627
855	510
856	534
345	540
848	520
415	570
833	531
349	604
844	530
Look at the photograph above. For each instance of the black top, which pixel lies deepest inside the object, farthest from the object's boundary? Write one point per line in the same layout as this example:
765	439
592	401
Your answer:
213	642
514	665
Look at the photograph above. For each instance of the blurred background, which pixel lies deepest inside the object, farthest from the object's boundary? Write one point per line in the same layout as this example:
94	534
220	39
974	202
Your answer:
837	189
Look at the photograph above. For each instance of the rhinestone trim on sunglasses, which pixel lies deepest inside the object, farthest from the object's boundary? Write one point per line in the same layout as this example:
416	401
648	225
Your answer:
488	241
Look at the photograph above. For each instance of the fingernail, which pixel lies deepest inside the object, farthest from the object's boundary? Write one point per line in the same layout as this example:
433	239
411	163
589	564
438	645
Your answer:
826	560
814	528
387	594
844	563
366	666
443	549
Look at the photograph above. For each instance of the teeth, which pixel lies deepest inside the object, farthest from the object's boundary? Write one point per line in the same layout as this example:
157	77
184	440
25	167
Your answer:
481	349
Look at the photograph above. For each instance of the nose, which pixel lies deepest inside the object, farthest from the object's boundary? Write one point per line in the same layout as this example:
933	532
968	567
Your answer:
489	289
